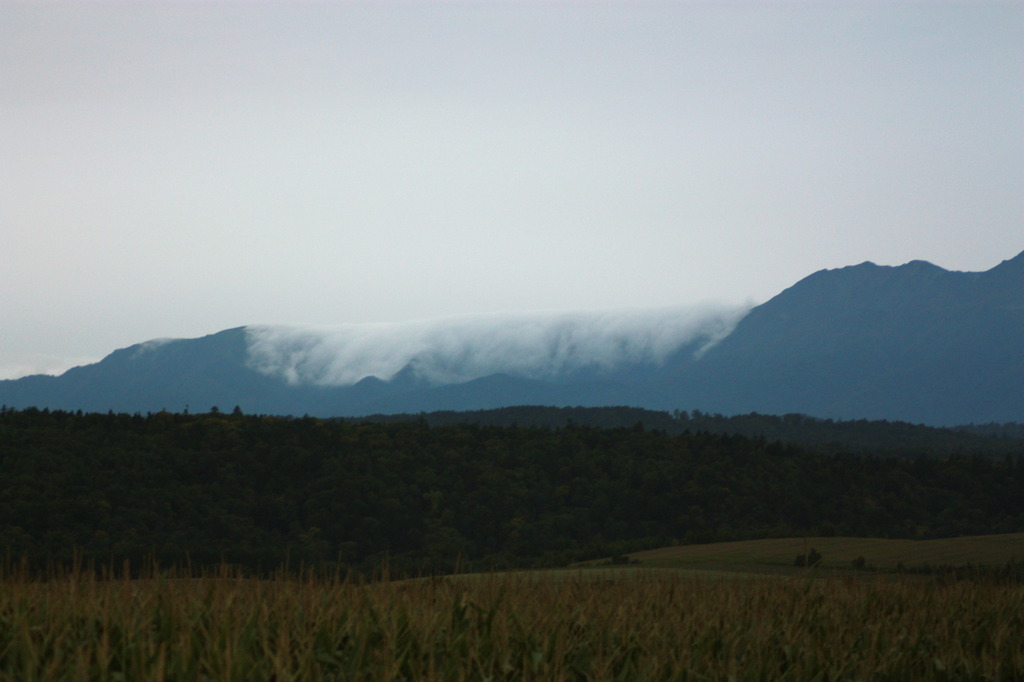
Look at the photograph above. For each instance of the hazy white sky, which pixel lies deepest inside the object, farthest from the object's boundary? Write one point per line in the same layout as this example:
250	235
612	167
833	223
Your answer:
178	168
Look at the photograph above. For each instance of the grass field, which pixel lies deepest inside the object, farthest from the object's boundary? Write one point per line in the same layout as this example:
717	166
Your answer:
777	555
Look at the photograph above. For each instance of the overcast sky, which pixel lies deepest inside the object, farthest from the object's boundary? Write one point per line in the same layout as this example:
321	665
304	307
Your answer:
174	169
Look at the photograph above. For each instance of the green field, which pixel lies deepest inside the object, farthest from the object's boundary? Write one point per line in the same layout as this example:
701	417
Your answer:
775	555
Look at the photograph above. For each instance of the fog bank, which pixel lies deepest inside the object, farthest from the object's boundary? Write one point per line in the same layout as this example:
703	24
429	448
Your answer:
454	350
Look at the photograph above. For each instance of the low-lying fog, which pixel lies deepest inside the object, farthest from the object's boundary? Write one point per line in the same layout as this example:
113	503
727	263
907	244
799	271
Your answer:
460	349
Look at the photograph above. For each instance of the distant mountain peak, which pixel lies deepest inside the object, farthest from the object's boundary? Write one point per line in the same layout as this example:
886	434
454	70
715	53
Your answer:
922	265
871	270
1015	264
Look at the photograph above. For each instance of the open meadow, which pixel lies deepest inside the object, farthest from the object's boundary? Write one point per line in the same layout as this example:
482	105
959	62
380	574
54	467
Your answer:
777	555
632	623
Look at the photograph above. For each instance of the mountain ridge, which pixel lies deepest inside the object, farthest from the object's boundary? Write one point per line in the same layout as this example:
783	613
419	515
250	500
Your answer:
913	342
856	341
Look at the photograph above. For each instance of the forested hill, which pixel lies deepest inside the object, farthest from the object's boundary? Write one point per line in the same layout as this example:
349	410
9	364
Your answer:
261	490
825	435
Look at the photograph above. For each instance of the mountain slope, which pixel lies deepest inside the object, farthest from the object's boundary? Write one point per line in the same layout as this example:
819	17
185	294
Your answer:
913	343
172	374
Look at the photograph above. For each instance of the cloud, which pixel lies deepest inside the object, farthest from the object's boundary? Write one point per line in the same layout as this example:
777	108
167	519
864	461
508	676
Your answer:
461	349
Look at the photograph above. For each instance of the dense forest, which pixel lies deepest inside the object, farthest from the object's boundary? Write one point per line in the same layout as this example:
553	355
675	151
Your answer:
259	491
860	436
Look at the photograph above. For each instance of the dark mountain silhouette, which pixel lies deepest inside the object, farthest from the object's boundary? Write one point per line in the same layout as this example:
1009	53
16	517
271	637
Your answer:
913	343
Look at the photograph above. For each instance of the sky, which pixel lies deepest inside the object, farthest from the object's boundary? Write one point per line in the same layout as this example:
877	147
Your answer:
172	169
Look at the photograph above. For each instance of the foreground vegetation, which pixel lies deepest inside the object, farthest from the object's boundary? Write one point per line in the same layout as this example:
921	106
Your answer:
347	497
598	625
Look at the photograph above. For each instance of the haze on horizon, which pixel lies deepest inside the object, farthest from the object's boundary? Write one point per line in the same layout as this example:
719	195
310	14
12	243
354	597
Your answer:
172	169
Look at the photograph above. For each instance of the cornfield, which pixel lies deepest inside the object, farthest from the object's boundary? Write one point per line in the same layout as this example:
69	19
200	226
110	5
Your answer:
584	625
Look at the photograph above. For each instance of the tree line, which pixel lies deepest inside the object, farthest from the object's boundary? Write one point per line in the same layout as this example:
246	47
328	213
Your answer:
861	436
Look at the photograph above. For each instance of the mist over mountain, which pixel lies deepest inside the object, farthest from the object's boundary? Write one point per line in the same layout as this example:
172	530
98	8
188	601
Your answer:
913	343
537	346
